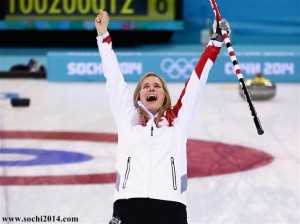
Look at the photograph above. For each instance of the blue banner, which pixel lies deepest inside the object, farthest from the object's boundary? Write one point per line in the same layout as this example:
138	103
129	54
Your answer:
276	65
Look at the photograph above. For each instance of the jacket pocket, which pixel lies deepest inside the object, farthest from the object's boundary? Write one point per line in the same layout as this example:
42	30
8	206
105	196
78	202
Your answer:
127	172
173	173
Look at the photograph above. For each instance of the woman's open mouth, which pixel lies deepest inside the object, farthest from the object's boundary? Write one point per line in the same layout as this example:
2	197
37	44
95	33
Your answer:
151	98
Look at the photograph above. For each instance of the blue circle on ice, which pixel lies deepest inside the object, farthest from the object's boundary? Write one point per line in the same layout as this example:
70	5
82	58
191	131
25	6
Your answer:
33	157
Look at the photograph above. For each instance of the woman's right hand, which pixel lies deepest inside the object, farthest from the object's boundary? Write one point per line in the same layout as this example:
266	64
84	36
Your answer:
101	22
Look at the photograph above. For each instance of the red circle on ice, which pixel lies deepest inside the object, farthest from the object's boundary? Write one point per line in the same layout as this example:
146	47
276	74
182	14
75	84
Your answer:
205	158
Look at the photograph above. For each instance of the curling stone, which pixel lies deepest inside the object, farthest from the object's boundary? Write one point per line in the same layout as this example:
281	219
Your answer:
20	102
259	88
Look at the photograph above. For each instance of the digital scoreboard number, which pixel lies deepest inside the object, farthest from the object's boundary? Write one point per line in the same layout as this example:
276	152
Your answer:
57	10
80	14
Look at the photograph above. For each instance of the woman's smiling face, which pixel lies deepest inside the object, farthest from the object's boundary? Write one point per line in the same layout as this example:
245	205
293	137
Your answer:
152	94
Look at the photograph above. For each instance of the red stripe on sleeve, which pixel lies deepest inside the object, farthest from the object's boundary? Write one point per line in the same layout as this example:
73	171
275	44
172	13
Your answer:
171	115
106	40
211	52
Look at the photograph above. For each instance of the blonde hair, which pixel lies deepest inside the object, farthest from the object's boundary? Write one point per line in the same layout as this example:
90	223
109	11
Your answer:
166	104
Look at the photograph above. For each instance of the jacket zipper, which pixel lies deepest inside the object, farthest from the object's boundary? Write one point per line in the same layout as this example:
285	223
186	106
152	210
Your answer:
150	161
148	112
127	172
173	173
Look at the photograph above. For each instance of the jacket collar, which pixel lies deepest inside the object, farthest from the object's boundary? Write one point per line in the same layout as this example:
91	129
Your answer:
146	110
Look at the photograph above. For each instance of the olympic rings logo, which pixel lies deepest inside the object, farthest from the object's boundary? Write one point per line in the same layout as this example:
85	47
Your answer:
177	68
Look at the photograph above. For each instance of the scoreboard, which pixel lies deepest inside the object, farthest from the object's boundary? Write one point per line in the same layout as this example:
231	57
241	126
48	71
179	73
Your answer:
80	14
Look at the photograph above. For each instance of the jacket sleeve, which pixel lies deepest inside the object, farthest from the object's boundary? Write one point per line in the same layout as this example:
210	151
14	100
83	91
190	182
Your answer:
119	96
189	101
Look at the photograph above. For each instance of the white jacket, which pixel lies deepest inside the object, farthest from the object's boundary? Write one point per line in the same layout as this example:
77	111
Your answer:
152	161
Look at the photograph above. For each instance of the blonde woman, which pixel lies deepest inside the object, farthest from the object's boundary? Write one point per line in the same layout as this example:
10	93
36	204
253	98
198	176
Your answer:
151	163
